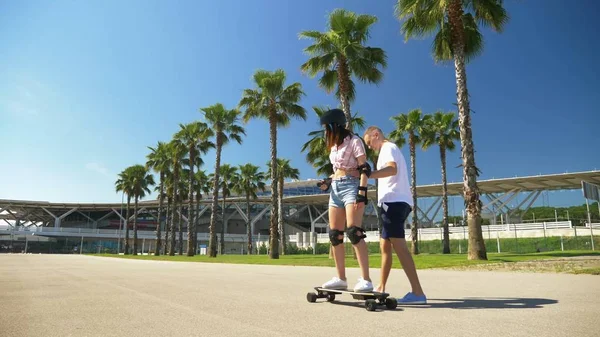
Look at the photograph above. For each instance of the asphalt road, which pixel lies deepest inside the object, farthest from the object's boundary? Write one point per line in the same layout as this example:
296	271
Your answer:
74	295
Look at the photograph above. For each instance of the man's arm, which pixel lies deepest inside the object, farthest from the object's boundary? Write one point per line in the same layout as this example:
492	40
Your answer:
388	170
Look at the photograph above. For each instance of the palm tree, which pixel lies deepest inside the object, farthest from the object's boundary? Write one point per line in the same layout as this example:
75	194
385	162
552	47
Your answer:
340	54
250	181
224	123
458	39
169	208
124	184
141	180
275	102
177	151
228	179
372	157
443	131
182	192
158	160
202	186
192	135
284	170
413	125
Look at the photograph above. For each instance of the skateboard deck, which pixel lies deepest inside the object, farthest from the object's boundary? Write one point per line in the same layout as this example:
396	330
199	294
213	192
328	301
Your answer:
371	298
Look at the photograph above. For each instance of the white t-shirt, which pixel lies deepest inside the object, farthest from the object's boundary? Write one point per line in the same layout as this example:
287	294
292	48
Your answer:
394	188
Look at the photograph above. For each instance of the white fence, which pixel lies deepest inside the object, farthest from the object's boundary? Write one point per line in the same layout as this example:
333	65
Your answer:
305	239
542	229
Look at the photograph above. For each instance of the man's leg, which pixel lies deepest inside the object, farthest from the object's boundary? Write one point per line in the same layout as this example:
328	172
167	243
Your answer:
386	263
408	264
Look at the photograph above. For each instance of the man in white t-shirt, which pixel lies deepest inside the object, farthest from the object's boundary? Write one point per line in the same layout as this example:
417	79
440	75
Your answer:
394	200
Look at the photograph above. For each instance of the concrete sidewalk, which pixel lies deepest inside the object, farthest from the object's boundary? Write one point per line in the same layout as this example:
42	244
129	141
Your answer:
74	295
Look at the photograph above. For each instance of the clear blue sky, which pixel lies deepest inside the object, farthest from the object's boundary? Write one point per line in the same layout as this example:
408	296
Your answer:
86	86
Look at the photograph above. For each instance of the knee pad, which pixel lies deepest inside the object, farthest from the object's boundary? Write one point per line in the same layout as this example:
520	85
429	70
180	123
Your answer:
334	237
354	236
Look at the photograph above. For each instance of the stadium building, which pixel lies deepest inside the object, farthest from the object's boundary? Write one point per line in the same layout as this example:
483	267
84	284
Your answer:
44	227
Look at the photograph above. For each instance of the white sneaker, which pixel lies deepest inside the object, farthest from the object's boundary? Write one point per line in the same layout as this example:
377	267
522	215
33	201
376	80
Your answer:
363	286
336	283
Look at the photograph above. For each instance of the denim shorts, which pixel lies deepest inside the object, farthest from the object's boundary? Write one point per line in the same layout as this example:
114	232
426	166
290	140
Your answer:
393	217
343	191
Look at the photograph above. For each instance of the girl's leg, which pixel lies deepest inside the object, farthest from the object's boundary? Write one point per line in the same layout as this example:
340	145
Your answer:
354	218
337	219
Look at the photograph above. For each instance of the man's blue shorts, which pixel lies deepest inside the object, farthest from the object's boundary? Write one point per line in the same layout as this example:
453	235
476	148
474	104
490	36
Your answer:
393	219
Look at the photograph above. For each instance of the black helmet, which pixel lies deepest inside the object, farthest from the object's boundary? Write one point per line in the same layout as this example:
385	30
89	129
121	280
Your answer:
334	116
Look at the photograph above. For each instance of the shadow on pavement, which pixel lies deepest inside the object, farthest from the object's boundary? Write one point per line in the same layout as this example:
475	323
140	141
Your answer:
465	303
485	303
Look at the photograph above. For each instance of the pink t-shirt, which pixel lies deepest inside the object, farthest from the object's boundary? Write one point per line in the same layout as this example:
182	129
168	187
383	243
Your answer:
344	156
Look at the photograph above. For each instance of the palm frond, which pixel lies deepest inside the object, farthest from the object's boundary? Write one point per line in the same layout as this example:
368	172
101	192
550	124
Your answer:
489	13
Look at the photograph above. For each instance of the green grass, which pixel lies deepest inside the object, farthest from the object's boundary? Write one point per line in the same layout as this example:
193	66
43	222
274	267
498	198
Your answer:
422	261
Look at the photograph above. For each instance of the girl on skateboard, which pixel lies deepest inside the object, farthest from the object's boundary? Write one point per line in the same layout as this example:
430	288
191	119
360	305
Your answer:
347	199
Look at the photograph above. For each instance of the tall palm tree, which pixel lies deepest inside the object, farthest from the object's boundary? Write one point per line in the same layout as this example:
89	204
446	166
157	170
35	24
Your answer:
158	160
411	124
182	192
458	39
227	180
124	184
177	152
372	157
443	131
192	135
284	170
141	180
225	125
340	54
169	208
250	181
275	102
202	186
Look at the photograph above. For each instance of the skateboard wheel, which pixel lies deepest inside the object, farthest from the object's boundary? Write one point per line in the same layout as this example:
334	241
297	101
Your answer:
391	303
370	305
311	297
330	297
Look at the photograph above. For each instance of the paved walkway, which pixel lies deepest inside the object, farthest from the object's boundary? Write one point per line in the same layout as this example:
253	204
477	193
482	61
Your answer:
74	295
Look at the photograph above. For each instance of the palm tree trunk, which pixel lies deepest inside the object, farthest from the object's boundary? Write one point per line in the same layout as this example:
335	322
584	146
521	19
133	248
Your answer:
344	83
274	235
135	236
414	230
212	245
160	204
180	225
445	201
248	227
191	224
173	211
127	226
168	223
280	214
174	208
197	221
476	249
222	241
379	224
